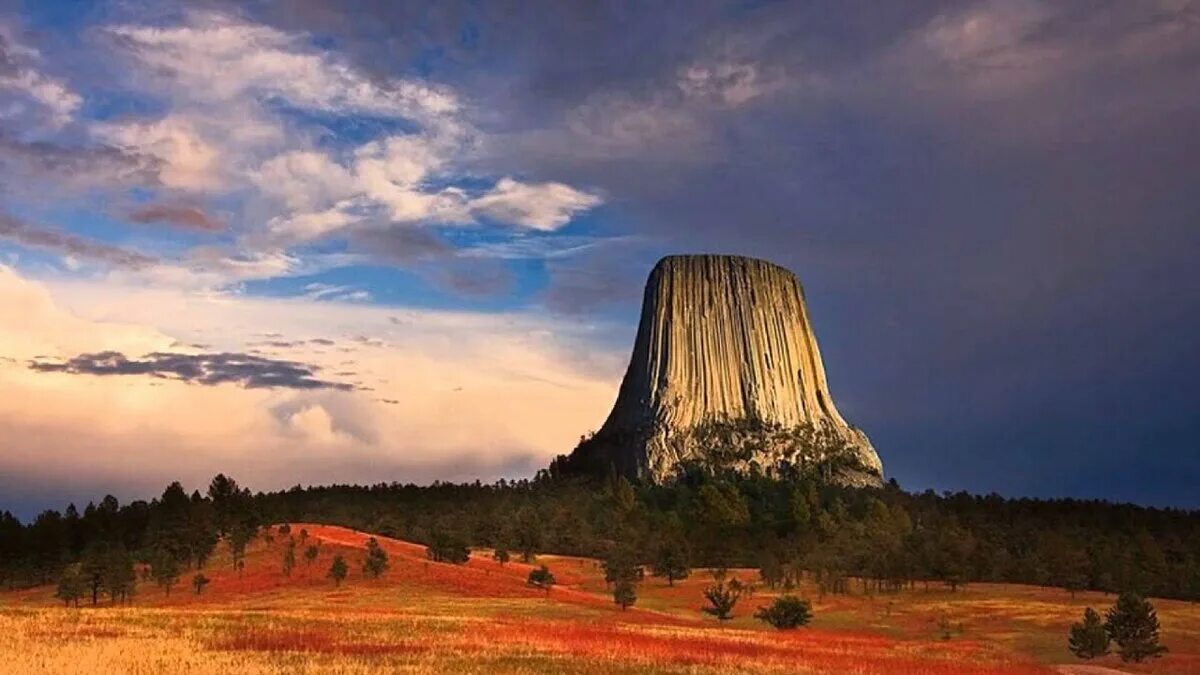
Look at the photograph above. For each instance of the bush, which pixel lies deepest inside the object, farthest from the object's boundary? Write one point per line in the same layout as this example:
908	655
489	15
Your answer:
786	612
542	578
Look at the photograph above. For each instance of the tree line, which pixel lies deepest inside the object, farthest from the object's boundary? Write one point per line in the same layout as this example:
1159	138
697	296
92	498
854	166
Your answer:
865	540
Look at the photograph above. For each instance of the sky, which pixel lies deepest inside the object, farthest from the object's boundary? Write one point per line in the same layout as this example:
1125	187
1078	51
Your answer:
307	241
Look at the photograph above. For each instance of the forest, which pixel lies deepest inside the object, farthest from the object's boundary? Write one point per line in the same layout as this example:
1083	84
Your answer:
850	540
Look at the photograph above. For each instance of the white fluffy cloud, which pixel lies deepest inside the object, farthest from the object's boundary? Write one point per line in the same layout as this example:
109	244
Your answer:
230	87
540	206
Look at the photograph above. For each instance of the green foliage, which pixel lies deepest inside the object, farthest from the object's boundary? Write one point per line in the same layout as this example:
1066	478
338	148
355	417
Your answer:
722	597
625	593
787	612
70	585
671	560
165	570
311	553
1088	639
541	578
621	565
1133	624
289	557
338	570
199	582
376	561
448	545
501	555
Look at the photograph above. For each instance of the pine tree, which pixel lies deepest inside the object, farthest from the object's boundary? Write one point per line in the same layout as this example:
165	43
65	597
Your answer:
165	570
1133	624
624	593
70	586
199	582
338	570
376	561
671	560
289	557
1088	639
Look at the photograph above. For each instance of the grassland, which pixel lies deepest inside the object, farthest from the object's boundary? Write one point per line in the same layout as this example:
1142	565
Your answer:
423	616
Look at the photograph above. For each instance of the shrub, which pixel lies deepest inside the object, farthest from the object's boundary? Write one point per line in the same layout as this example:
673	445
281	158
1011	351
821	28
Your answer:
542	578
786	612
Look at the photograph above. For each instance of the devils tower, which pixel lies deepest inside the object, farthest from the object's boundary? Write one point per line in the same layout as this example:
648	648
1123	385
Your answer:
726	374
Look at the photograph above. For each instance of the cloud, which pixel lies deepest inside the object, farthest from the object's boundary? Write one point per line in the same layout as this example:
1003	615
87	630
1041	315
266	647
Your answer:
187	217
467	394
18	75
229	59
251	372
540	206
65	243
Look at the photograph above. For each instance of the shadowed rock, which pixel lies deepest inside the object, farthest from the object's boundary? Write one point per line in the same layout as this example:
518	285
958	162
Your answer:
726	374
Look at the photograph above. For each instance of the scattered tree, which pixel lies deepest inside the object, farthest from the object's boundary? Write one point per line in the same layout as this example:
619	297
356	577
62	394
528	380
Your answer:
624	593
338	570
671	560
70	585
721	598
501	555
1088	639
165	570
310	554
376	561
199	582
1133	624
289	557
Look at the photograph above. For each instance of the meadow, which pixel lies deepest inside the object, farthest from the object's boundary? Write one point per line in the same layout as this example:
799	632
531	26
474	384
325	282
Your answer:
423	616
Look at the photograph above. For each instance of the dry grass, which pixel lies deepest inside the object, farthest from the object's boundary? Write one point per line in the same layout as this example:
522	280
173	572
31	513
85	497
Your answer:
430	617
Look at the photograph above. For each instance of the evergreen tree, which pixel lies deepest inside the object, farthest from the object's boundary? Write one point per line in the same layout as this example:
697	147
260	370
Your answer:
310	554
338	570
199	582
624	593
501	555
70	585
165	570
1133	624
1088	639
671	560
289	557
376	560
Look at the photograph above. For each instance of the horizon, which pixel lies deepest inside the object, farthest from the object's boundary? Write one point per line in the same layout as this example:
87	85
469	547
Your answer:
314	245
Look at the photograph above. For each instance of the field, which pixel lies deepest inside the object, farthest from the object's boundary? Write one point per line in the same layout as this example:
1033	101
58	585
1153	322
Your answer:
423	616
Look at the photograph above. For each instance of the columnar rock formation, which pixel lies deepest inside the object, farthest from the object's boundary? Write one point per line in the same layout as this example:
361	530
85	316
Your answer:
726	372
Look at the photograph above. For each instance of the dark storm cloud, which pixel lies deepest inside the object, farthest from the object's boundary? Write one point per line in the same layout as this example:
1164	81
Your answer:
187	217
992	205
22	233
251	372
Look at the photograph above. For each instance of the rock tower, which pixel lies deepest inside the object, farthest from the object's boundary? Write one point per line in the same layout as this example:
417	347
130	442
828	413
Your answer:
726	373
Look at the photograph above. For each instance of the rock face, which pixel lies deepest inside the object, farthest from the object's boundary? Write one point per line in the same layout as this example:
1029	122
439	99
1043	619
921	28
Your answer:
726	373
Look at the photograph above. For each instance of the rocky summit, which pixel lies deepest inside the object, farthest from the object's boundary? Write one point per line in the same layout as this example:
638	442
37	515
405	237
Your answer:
726	374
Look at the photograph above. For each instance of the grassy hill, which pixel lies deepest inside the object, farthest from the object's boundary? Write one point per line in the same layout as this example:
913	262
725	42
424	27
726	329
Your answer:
423	616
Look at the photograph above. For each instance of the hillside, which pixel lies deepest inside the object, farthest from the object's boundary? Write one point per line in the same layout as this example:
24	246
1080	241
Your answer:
425	616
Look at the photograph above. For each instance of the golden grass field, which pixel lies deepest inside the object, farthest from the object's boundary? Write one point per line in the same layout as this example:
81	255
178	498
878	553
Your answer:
430	617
